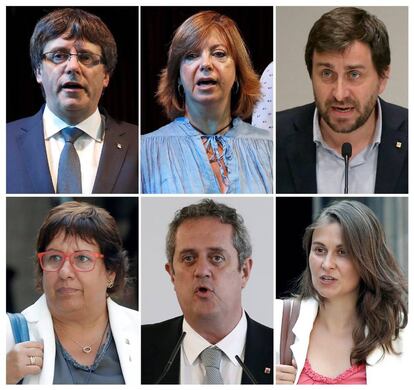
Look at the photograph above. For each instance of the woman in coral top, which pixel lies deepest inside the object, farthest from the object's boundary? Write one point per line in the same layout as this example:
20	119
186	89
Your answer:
353	303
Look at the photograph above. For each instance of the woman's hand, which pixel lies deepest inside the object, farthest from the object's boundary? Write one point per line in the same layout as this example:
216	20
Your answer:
24	359
285	375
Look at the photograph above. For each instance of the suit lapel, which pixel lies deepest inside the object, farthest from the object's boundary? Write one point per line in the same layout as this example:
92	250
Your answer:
114	151
302	330
301	153
392	150
31	144
259	348
173	375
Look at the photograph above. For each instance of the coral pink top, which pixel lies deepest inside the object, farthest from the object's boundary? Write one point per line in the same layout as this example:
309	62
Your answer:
354	375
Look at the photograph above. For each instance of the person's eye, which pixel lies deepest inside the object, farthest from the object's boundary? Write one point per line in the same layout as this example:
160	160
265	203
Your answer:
342	252
217	259
354	75
83	258
319	250
326	74
55	258
85	57
190	56
59	56
188	259
219	54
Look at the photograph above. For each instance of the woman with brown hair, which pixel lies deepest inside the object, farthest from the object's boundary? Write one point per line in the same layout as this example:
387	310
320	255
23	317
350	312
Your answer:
353	303
207	88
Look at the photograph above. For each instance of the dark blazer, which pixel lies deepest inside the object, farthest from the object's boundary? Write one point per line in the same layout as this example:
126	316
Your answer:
296	151
28	169
159	340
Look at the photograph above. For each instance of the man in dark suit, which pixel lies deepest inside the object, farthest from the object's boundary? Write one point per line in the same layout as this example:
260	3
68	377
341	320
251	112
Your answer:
209	263
348	59
71	145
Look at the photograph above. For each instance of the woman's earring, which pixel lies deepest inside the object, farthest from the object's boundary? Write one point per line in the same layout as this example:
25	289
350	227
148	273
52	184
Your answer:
109	283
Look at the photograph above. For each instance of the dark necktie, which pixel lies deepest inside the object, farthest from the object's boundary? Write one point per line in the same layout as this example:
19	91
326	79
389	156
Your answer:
211	358
69	174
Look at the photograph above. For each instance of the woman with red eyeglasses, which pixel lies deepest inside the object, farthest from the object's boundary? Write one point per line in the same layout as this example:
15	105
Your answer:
78	334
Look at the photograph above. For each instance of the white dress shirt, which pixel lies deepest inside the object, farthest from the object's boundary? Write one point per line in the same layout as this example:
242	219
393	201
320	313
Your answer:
88	145
192	370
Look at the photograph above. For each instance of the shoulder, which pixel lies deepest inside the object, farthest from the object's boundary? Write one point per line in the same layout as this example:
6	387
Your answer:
173	324
118	310
169	130
291	114
27	121
246	130
390	108
258	328
116	124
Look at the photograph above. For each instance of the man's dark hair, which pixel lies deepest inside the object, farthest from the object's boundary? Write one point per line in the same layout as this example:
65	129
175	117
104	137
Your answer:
73	24
336	30
225	214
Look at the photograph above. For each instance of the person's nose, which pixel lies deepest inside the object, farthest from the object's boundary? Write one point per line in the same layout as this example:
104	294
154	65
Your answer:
202	268
341	89
72	64
206	64
66	271
329	262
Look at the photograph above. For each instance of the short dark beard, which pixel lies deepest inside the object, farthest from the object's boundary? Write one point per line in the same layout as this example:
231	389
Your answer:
360	121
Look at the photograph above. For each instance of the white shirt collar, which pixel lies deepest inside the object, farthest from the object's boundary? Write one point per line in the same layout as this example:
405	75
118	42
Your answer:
93	125
232	345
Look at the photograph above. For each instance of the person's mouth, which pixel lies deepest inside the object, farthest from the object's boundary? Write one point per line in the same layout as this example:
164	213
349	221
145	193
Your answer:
67	290
203	291
206	82
72	86
327	279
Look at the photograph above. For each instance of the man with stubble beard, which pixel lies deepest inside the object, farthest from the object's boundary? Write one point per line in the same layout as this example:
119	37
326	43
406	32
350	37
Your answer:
348	59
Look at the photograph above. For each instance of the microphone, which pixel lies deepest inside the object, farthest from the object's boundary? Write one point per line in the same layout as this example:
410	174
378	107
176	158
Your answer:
171	359
246	371
346	154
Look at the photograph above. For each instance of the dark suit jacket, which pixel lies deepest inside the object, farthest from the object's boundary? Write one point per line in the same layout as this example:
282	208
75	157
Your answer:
296	151
28	169
159	340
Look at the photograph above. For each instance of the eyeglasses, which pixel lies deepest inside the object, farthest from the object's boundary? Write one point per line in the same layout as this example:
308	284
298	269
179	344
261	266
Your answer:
85	58
82	261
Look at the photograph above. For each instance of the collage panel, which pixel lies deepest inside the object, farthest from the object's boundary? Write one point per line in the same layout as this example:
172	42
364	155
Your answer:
74	129
206	122
342	291
342	100
72	271
207	280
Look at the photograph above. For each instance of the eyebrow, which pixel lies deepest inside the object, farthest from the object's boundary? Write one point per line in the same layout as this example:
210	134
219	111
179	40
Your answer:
322	244
331	66
210	249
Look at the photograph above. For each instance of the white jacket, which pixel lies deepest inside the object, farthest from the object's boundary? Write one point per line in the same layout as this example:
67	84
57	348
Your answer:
391	369
124	327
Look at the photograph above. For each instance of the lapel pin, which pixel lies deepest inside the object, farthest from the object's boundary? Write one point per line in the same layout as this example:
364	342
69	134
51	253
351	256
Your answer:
398	144
267	370
119	146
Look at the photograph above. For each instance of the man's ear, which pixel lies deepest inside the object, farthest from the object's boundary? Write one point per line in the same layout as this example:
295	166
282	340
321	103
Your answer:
384	80
245	271
169	268
38	74
106	80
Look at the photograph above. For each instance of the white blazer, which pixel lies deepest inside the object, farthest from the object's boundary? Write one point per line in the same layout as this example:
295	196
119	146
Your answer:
390	369
124	326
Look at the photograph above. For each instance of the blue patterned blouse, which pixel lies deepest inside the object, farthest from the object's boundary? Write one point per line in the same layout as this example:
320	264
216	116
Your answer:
174	160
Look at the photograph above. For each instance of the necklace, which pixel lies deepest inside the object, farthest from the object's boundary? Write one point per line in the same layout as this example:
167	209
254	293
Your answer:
217	132
88	347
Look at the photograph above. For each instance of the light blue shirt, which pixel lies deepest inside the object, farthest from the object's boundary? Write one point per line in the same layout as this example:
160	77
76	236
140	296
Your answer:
174	159
330	165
